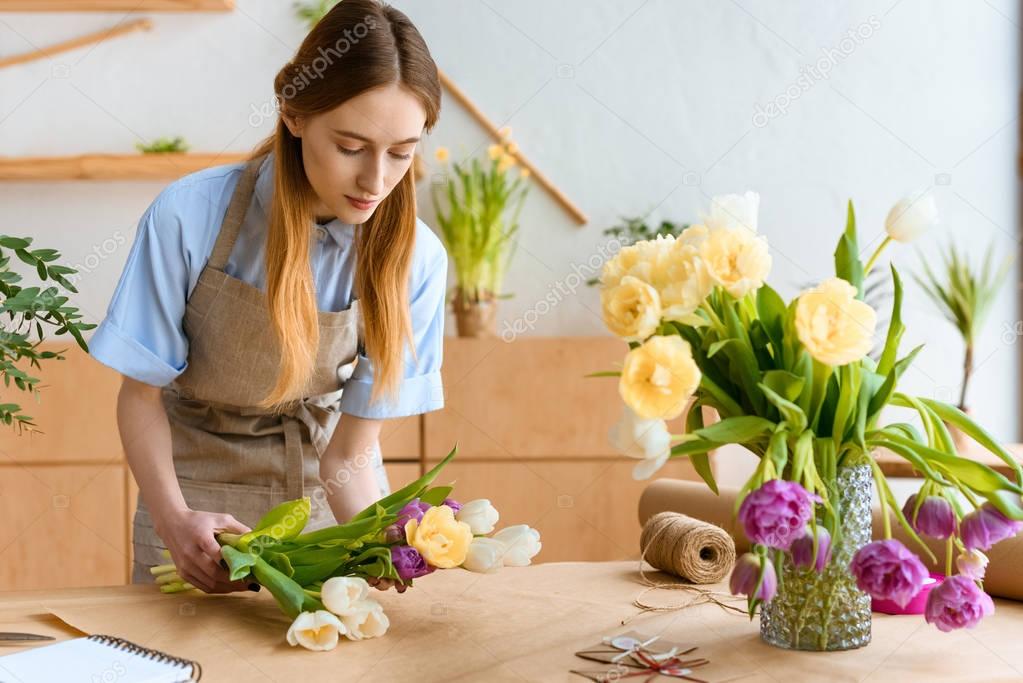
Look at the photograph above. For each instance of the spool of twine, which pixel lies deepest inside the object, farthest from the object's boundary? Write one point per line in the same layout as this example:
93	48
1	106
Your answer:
692	549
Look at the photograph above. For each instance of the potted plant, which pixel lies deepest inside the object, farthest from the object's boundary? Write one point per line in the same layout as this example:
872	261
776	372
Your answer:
964	296
27	311
478	229
794	384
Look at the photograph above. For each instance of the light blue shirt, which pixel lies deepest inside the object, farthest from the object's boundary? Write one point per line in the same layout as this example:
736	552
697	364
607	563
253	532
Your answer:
142	335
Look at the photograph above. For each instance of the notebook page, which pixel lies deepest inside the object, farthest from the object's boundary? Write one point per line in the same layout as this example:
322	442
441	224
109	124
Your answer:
87	661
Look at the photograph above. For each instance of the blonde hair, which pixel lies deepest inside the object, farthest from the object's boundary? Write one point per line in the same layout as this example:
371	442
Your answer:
359	45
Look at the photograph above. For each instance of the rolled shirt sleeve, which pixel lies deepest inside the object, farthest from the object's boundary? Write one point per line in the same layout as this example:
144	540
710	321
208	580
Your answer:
421	389
142	335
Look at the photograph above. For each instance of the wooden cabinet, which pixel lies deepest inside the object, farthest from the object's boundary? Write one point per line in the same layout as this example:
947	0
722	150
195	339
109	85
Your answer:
531	432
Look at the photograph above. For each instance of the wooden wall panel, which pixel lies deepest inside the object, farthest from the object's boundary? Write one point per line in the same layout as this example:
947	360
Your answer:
63	526
77	412
526	399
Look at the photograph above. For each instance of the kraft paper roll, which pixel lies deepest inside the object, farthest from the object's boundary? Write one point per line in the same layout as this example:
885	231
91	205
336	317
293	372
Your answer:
1004	577
689	548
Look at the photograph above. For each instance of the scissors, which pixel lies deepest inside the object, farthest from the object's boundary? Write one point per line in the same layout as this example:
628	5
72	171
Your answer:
12	636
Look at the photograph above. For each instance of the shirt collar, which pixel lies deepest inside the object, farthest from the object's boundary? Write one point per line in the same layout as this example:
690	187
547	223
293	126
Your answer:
340	232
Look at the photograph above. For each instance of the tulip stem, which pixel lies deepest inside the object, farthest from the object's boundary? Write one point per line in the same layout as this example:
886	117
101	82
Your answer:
877	252
162	569
948	556
315	594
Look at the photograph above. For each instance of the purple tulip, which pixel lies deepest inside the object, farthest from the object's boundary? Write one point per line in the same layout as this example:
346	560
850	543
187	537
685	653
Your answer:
887	570
776	513
936	518
453	504
414	509
986	526
802	550
746	573
957	603
409	563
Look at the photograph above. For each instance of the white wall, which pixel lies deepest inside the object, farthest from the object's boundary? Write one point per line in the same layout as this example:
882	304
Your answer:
630	107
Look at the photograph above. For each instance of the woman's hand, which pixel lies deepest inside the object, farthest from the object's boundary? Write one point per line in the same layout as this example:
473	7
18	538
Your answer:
384	584
190	536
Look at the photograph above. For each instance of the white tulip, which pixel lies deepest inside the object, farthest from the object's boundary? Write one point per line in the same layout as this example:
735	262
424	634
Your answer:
365	620
911	217
341	594
480	515
734	212
521	544
317	630
485	555
972	563
646	440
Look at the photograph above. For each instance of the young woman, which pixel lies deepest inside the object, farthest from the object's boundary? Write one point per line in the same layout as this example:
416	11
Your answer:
272	313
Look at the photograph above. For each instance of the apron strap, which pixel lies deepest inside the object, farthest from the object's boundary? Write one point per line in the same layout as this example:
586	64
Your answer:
235	215
293	464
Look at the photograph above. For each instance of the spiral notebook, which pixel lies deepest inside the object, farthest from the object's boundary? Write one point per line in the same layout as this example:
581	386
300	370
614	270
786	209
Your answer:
96	658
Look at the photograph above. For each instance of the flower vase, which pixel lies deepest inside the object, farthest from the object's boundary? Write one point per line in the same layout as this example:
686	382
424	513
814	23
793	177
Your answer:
826	611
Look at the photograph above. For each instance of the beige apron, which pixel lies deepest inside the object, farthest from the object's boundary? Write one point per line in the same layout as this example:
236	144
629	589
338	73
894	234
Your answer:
229	455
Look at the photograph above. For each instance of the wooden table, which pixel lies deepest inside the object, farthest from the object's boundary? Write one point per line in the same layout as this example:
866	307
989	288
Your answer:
522	624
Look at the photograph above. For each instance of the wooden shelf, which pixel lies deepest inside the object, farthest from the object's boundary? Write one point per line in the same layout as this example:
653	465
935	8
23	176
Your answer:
111	166
116	5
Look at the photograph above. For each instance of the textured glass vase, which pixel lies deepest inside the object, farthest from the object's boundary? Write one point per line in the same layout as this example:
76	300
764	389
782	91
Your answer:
826	611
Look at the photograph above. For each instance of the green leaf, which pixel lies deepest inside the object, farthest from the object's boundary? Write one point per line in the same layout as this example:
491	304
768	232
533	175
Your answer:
881	398
784	383
288	593
282	523
307	574
1008	504
790	412
436	495
771	311
976	475
953	415
407	493
848	383
14	242
700	460
238	562
847	255
895	328
778	450
738	429
801	454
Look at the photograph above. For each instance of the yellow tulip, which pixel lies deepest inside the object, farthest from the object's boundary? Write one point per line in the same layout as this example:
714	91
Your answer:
659	377
442	154
439	537
632	310
834	326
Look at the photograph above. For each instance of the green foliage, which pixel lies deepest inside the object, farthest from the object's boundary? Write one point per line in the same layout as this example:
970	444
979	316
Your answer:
28	310
964	294
312	12
480	224
176	145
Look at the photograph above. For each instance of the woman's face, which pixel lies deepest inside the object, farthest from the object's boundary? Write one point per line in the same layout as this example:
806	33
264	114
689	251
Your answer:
357	152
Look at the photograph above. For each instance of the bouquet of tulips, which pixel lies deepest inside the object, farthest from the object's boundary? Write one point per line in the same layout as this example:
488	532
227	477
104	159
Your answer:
318	578
794	384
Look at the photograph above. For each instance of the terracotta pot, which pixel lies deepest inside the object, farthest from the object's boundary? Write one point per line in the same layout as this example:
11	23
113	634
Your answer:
475	318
